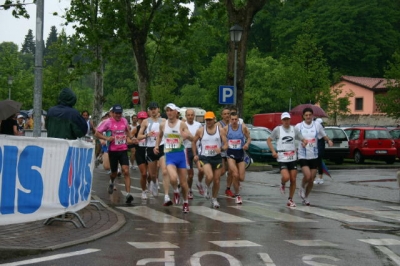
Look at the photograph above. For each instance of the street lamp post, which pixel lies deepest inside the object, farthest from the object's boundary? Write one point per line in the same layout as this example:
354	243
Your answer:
236	34
10	82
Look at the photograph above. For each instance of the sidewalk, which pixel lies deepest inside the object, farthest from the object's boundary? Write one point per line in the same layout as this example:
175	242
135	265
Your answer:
35	237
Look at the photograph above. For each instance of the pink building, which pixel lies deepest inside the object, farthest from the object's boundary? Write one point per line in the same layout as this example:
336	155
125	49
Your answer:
365	90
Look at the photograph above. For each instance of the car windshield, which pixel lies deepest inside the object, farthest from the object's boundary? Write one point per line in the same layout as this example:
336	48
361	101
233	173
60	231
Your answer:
377	134
336	134
257	134
395	134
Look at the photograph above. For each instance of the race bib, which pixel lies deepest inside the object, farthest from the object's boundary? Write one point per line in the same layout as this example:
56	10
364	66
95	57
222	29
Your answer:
120	140
210	150
172	143
288	155
153	135
234	144
311	143
142	143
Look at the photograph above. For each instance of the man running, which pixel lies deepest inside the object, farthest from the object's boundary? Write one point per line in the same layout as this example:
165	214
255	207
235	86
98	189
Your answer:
308	155
238	137
285	154
193	126
213	141
117	152
174	131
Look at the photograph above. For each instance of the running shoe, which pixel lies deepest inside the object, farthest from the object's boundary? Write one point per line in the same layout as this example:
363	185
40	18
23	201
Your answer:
215	203
167	201
177	198
302	193
238	200
306	202
111	188
190	195
282	189
185	207
229	193
119	173
154	189
320	181
144	195
290	203
129	198
207	193
200	188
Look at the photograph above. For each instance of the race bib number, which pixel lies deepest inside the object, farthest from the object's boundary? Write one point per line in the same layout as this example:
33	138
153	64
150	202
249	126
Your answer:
172	143
311	143
120	140
210	150
142	143
234	144
153	135
288	155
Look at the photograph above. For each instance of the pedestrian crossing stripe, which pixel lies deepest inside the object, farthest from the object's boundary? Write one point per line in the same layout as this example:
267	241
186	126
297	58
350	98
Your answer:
235	243
381	242
397	208
384	214
276	215
217	215
152	215
152	245
312	243
334	215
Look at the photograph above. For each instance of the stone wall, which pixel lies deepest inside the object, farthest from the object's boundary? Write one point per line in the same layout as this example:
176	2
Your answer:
372	120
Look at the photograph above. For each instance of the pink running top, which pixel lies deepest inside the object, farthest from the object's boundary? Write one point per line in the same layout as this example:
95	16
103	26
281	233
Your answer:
118	131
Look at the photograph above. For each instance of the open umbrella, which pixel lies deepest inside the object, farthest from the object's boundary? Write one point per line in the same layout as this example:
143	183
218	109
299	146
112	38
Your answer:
9	108
318	111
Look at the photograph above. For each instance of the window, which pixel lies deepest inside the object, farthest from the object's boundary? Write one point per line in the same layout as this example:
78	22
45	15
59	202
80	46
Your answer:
359	104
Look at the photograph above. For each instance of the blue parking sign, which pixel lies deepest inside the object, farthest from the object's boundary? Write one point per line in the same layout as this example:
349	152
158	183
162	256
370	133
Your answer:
226	94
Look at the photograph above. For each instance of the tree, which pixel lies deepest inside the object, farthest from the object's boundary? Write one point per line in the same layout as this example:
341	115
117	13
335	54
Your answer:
28	47
389	103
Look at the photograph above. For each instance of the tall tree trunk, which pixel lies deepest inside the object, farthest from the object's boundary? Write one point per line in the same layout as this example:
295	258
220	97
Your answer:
98	87
243	17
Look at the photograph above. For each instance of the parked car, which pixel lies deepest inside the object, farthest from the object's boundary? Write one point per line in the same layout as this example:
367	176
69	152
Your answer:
371	143
258	149
340	148
395	133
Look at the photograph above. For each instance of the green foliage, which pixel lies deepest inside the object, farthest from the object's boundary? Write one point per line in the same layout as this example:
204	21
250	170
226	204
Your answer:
28	47
118	96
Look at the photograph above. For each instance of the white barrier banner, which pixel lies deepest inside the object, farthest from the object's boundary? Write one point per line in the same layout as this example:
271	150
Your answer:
43	177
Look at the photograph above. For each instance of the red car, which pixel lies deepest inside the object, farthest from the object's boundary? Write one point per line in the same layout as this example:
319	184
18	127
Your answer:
371	143
396	137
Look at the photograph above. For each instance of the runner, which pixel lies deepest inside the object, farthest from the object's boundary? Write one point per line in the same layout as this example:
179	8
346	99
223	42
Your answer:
174	132
213	141
308	155
149	130
120	136
285	154
321	152
132	147
140	155
226	115
193	126
236	134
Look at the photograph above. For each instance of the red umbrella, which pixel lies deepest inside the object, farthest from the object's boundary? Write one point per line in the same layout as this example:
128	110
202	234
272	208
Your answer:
318	111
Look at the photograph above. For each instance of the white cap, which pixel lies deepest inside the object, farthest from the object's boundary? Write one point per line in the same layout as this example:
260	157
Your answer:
172	107
319	120
285	115
20	116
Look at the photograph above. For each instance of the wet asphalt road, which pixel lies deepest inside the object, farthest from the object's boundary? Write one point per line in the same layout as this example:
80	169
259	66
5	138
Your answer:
354	220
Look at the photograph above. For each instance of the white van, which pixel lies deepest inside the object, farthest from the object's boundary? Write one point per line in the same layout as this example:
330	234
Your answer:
198	113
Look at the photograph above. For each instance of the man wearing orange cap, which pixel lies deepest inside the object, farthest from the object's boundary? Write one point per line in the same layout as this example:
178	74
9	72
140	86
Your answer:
213	141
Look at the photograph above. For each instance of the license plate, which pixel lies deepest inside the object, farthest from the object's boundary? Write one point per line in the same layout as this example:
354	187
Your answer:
381	152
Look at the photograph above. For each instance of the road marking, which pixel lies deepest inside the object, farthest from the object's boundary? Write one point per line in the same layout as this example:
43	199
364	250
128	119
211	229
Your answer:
53	257
217	215
381	242
393	256
385	214
266	259
334	215
235	243
397	208
195	258
312	243
153	215
149	245
262	211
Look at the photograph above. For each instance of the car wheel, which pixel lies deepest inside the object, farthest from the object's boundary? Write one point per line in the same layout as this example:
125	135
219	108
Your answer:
339	161
390	160
358	158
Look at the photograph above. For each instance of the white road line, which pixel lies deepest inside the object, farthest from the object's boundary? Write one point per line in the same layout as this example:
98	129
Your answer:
397	208
151	245
54	257
385	214
334	215
153	215
217	215
393	256
381	242
312	243
235	243
265	212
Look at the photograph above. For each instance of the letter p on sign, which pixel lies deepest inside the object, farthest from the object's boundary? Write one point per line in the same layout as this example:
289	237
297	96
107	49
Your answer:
226	94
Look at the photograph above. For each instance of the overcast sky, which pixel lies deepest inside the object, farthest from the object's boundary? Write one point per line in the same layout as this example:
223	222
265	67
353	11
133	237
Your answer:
14	30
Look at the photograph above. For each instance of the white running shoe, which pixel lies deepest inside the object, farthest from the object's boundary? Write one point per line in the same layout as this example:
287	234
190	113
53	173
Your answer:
321	181
215	203
238	200
144	195
282	189
207	193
